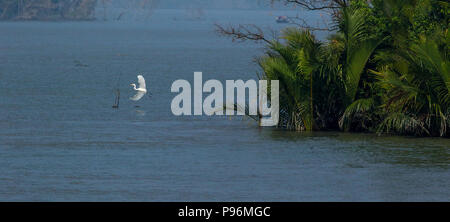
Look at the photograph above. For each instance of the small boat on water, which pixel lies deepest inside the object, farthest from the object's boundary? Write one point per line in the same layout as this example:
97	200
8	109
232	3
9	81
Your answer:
282	19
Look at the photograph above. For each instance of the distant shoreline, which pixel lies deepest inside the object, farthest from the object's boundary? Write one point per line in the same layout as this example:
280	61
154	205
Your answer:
98	18
49	20
47	10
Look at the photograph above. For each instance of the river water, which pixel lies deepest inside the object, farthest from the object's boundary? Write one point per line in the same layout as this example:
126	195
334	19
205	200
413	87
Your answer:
60	140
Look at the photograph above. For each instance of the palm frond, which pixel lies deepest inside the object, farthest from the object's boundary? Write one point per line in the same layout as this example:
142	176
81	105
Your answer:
358	110
403	124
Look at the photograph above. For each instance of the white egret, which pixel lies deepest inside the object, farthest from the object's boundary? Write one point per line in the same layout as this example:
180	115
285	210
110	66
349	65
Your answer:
141	91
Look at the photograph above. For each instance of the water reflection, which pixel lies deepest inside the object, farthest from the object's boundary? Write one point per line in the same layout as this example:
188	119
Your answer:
419	152
140	112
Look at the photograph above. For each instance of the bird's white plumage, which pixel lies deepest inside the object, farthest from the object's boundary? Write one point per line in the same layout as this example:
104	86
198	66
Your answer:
141	91
138	96
141	82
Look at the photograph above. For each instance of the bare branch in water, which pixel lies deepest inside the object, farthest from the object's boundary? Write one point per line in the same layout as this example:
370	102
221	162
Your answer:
315	5
242	33
255	33
300	22
243	110
329	7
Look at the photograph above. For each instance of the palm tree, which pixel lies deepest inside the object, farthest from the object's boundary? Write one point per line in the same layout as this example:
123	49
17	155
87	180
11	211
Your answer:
360	80
356	50
417	83
293	62
336	66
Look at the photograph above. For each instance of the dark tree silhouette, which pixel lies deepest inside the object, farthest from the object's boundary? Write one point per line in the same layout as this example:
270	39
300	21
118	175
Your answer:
252	32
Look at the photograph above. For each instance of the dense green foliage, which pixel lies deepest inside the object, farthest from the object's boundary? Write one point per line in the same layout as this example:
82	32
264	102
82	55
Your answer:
386	70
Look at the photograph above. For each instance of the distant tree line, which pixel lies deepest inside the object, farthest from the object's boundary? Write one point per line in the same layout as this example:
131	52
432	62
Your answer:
47	9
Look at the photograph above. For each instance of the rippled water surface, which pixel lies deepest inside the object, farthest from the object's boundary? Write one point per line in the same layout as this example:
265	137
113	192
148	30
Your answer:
61	141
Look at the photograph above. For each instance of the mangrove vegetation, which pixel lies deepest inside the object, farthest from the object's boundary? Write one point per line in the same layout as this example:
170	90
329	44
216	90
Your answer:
384	68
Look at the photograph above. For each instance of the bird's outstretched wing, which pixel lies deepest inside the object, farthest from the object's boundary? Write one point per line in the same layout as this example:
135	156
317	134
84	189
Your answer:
141	82
138	96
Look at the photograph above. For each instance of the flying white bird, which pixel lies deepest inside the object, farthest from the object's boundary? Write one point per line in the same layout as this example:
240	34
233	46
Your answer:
141	91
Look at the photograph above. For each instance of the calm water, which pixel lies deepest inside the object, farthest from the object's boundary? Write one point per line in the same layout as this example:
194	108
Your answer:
61	141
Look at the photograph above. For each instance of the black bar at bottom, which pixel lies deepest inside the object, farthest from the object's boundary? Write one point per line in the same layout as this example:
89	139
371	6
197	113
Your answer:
261	211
